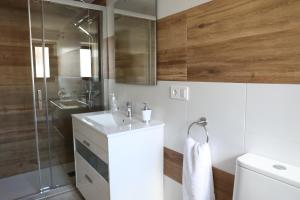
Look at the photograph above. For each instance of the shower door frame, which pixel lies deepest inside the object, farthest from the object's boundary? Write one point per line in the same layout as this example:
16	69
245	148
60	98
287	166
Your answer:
102	38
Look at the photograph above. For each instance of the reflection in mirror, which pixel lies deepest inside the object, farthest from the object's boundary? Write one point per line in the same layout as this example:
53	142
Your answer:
85	62
135	41
144	7
39	62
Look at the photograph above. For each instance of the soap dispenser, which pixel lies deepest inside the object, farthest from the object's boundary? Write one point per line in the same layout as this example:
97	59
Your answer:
146	113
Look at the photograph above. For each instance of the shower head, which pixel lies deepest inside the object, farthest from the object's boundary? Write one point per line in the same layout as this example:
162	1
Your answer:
78	25
82	20
85	31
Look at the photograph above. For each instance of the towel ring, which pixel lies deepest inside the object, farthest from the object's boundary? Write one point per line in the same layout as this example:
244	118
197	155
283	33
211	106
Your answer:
202	122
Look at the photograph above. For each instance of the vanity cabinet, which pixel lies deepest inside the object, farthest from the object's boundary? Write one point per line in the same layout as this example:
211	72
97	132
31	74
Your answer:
124	165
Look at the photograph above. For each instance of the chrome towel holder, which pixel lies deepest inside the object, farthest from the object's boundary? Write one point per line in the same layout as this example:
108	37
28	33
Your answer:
201	122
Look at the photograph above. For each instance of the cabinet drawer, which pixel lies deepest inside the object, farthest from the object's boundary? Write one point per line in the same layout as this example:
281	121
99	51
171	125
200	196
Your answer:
96	149
89	183
91	134
93	160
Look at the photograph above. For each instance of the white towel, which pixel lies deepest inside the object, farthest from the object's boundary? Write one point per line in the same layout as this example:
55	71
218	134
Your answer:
197	180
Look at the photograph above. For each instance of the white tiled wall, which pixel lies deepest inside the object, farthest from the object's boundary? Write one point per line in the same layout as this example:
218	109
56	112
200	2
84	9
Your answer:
258	118
172	189
222	104
273	121
224	107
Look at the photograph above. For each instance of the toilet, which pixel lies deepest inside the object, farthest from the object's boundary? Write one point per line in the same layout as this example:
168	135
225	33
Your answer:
260	178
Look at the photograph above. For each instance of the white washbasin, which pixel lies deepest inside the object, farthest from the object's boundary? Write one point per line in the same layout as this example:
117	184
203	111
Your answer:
104	120
111	120
110	123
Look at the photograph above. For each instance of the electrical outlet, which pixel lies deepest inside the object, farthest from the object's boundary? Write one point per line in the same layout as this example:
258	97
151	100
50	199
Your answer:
179	92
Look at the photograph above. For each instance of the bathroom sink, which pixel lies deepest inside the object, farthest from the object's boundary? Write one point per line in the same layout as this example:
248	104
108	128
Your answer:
112	123
111	120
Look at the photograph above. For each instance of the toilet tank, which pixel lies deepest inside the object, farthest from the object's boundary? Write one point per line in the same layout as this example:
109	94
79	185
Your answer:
260	178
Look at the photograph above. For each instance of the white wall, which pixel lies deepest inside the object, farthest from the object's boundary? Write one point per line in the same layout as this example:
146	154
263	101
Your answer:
273	121
169	7
223	104
258	118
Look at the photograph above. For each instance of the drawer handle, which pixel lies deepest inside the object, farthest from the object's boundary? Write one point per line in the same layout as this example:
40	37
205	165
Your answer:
86	143
88	178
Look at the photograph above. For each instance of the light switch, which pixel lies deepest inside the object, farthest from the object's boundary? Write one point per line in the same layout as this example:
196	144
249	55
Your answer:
179	92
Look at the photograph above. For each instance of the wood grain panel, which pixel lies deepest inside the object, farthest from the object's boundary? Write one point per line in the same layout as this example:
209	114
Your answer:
9	102
223	181
15	75
111	58
14	56
17	141
236	41
173	164
171	44
244	41
132	50
100	2
20	36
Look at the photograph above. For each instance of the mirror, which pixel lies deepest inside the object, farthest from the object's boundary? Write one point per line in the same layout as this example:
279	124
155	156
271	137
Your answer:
135	41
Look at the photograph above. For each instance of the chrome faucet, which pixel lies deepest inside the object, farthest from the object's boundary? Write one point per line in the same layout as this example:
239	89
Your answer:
129	109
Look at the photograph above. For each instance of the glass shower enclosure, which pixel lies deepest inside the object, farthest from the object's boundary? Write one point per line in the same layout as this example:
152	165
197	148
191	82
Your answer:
53	68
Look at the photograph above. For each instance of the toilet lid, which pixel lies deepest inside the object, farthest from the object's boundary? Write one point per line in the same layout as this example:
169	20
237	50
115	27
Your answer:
280	171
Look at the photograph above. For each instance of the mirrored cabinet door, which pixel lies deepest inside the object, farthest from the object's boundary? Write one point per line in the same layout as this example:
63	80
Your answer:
135	41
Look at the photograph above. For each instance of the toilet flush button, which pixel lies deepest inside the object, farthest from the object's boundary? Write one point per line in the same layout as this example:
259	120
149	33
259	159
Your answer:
279	167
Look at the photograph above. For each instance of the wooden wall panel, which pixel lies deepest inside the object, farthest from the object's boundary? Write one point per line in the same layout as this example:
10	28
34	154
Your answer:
131	50
173	164
100	2
223	181
239	41
171	44
17	141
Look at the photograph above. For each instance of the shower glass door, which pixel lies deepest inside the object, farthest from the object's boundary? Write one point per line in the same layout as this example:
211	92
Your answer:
67	59
51	62
18	153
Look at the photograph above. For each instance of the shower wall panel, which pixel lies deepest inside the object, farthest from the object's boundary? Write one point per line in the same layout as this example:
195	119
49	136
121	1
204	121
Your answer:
17	139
